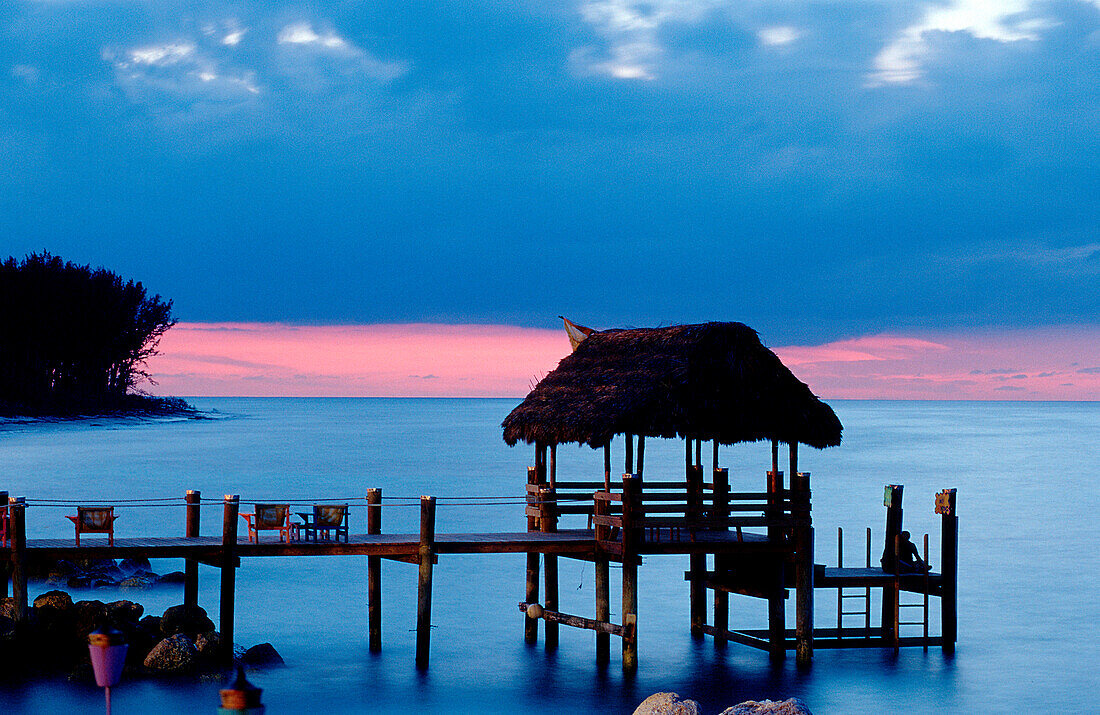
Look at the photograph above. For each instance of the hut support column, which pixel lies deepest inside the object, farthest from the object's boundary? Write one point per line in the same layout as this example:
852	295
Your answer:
531	595
603	582
191	567
721	561
697	562
229	571
804	568
777	627
893	496
374	572
424	582
17	509
632	488
5	561
548	523
949	568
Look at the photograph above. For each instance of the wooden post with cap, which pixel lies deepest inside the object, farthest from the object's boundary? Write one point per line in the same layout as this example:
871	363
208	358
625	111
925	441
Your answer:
949	568
193	500
374	572
229	571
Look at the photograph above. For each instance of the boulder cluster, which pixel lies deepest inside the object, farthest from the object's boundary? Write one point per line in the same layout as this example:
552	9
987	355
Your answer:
671	704
181	641
101	573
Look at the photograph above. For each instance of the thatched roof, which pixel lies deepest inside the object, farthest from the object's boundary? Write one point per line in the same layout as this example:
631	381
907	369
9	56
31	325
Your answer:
709	381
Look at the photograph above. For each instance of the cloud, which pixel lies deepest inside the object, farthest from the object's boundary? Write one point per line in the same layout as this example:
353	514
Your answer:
778	35
1089	371
301	33
180	69
327	45
1004	21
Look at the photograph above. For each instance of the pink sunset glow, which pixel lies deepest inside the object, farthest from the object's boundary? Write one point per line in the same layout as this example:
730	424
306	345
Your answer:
428	360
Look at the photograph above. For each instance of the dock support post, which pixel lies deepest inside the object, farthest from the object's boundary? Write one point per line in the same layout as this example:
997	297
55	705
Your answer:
191	567
892	502
777	618
721	561
424	585
374	572
548	524
949	569
5	561
18	514
697	563
229	571
531	625
804	569
603	584
632	491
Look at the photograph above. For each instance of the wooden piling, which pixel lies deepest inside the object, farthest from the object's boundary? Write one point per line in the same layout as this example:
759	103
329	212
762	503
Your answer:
777	628
697	563
721	561
949	568
607	466
531	595
548	523
424	583
230	511
603	585
641	456
17	509
5	561
374	572
892	502
804	565
629	452
191	567
631	532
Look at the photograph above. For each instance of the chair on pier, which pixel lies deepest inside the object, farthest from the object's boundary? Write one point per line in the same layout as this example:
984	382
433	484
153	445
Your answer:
269	517
94	520
325	519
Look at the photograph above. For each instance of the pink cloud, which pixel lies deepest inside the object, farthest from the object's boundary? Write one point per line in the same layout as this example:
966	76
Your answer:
268	359
1025	364
427	360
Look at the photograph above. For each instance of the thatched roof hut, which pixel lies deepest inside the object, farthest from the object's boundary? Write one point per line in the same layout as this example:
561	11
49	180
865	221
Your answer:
714	381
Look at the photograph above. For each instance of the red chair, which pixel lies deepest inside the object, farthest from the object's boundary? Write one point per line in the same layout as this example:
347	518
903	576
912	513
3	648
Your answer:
94	520
269	517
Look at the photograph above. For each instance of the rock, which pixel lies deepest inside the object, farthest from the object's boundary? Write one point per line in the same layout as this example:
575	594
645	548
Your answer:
150	624
174	577
175	654
131	567
54	600
61	572
90	615
138	581
7	608
793	706
265	654
191	620
121	613
209	644
7	630
667	704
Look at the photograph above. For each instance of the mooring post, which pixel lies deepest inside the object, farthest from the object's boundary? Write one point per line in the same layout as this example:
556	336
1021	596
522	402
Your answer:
531	625
548	524
804	569
374	572
721	561
424	585
632	492
777	617
697	563
600	509
949	568
17	507
191	566
892	501
5	560
230	510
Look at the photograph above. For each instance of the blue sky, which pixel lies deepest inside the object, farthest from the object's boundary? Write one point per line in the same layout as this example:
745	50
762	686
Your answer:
817	170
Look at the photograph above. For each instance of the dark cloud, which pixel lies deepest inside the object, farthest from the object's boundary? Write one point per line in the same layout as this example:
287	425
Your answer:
478	161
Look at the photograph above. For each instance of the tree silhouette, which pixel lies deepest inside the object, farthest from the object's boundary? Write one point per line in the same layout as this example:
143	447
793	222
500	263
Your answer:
73	338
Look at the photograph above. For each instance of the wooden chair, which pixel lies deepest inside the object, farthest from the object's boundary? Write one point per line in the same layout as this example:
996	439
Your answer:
94	520
269	517
326	519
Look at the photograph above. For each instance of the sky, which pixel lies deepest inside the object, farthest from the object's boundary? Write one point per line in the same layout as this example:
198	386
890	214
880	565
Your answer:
388	181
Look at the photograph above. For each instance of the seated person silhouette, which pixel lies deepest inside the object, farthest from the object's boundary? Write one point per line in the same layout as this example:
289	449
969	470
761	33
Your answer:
909	560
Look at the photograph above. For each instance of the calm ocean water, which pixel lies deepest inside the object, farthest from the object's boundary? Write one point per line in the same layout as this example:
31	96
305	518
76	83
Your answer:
1029	612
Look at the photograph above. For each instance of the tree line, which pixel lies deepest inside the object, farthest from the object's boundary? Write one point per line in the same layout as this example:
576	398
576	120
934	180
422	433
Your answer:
73	338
